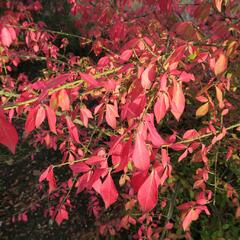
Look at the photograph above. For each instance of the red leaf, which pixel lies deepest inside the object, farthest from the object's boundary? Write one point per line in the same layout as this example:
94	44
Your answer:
140	155
95	160
178	146
103	61
201	208
51	119
124	155
134	108
189	134
126	68
154	136
148	193
138	179
95	176
202	99
8	134
165	157
192	215
97	185
201	13
120	138
12	33
108	191
85	114
40	116
126	55
165	6
187	31
79	167
178	100
30	121
202	198
148	76
229	153
111	114
63	100
6	37
89	79
73	131
185	206
52	83
45	174
61	215
98	108
164	176
56	81
186	77
110	84
175	57
161	107
183	155
49	176
82	182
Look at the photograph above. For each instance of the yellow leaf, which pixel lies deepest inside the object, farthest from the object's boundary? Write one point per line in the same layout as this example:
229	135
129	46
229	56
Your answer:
219	96
221	65
231	48
122	180
202	110
218	5
237	213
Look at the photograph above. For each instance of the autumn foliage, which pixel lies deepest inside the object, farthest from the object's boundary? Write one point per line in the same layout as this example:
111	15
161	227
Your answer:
144	124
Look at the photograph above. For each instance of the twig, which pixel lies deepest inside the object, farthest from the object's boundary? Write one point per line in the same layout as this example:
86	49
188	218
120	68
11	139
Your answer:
170	209
70	163
202	136
49	31
67	85
215	174
65	198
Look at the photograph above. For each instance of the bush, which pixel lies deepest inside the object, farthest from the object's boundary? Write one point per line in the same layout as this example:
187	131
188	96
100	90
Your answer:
138	102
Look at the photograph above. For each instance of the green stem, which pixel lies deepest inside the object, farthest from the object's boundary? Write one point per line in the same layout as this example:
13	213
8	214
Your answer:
202	136
67	85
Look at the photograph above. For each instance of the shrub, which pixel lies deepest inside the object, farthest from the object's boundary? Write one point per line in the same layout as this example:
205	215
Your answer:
146	124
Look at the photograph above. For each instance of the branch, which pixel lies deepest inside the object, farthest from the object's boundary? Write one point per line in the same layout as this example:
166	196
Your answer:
49	31
201	137
67	85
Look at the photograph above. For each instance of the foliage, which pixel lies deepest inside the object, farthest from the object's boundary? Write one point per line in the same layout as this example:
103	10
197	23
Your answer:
146	127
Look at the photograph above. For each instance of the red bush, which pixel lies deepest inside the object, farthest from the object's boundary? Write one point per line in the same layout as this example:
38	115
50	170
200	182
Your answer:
162	92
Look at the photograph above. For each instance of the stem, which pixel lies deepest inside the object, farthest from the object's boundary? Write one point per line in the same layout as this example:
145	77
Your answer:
215	174
8	94
68	163
202	136
67	85
37	58
149	49
215	167
170	209
49	31
65	198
